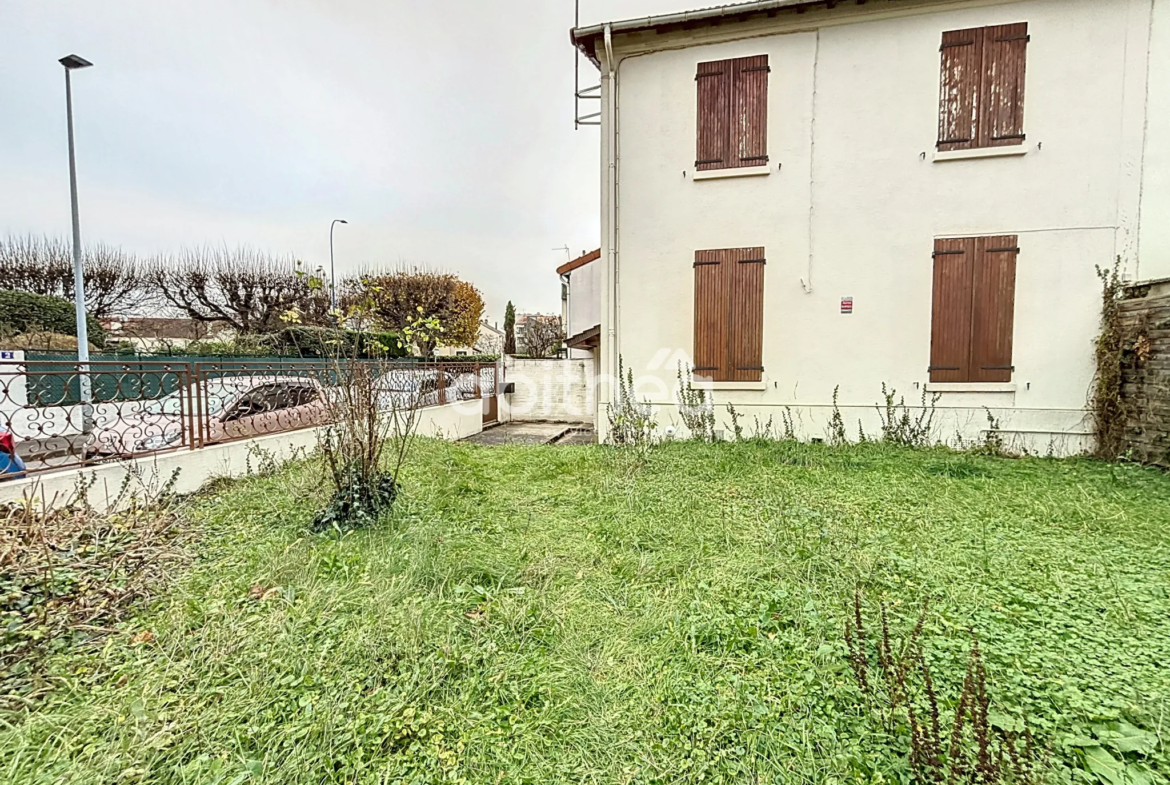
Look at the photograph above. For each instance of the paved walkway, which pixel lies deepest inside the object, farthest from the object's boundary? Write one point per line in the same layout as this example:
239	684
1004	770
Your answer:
532	433
579	436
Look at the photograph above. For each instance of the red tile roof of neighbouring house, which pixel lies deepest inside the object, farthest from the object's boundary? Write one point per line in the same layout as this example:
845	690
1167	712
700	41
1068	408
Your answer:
580	261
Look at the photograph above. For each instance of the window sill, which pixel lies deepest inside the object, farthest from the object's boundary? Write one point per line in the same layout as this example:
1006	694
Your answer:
971	387
980	152
720	386
738	171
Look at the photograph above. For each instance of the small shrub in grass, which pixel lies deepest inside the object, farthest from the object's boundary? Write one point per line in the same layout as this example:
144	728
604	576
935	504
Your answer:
366	423
371	422
631	422
899	426
695	406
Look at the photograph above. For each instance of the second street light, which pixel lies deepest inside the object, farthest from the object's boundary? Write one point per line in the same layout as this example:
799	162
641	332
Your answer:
73	63
332	272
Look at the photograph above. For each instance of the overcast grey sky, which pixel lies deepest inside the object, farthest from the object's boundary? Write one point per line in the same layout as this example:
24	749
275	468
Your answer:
442	130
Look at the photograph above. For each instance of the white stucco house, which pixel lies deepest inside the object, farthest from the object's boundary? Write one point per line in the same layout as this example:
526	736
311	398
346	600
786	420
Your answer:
581	304
802	196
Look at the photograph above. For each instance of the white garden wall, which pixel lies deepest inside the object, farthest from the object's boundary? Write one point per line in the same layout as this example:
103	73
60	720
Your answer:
192	469
557	390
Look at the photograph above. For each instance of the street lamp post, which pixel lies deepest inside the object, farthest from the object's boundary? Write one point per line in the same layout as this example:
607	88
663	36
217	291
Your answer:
72	63
332	273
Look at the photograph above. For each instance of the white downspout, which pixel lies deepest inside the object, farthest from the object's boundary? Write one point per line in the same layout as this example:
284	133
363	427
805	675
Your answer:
567	305
611	222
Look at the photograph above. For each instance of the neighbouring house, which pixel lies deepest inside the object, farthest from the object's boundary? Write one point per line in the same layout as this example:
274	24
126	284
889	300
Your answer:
148	334
489	341
581	304
806	200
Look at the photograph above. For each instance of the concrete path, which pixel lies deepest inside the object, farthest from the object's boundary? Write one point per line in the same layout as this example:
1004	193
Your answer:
579	436
527	433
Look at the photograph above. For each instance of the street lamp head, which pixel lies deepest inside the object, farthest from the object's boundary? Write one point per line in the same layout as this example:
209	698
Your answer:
72	62
342	221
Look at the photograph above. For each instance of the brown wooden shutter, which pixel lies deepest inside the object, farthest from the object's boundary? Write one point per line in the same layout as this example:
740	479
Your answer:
714	85
993	317
1005	55
958	114
749	120
745	268
711	315
950	333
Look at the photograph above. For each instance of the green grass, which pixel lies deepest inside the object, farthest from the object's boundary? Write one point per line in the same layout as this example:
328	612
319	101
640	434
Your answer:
563	614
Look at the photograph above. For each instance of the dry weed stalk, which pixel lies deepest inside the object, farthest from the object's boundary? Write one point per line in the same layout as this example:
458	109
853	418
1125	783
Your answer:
977	752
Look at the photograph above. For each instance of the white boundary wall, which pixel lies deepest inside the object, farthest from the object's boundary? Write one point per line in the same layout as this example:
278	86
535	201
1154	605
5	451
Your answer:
197	467
555	390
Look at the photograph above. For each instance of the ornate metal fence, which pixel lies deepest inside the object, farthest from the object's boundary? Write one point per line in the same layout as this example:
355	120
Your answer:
61	415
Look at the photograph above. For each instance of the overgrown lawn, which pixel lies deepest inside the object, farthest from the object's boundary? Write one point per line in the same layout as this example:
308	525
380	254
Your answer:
575	614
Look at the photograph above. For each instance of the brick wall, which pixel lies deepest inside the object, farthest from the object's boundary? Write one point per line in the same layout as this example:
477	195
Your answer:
1145	319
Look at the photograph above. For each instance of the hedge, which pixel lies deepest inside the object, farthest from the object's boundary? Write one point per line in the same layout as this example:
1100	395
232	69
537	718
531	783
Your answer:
329	342
468	358
24	312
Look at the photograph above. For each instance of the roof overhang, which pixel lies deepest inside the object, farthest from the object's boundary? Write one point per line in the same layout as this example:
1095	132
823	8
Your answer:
586	38
580	261
586	339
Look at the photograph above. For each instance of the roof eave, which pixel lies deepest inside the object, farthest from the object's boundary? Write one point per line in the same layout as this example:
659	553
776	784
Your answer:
585	38
580	261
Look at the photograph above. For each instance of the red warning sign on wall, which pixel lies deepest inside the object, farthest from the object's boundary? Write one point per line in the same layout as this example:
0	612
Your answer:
846	305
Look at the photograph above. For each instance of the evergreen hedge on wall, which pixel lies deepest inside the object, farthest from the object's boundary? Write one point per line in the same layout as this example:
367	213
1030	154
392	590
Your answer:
23	312
329	342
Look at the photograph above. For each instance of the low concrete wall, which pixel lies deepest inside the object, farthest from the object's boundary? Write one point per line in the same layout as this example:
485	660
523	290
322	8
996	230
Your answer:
192	469
549	390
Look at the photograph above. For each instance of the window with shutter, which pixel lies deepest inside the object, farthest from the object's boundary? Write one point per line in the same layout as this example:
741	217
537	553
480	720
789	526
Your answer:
732	114
711	296
981	88
729	314
973	309
950	334
714	118
958	114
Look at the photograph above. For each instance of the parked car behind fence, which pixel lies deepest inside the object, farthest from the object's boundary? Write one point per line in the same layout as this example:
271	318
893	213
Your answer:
148	407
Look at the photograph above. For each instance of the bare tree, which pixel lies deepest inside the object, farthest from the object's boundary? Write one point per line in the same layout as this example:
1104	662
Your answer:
245	288
114	282
542	335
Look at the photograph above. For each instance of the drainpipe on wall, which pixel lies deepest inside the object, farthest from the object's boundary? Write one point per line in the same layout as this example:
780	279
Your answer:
566	305
611	223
